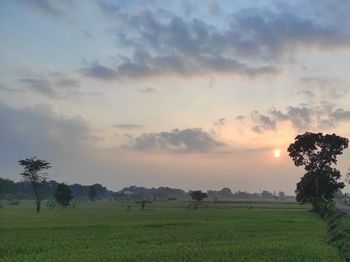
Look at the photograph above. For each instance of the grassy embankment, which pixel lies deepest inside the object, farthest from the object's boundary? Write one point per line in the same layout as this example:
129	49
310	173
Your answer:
339	228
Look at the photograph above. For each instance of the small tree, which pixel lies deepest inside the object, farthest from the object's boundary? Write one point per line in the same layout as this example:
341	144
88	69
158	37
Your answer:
317	152
92	193
33	173
198	195
63	195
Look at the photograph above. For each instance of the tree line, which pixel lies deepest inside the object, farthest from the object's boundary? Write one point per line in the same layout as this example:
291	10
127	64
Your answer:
314	151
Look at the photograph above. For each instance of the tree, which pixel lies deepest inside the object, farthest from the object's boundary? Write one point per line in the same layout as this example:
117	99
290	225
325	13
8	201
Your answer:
63	195
35	175
198	195
317	152
266	195
327	186
92	193
281	195
4	185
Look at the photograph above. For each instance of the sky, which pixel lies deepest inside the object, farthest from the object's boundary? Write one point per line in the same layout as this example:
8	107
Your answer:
186	94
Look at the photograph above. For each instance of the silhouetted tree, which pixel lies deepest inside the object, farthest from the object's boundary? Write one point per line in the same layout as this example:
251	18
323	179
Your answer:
4	184
33	173
281	195
63	195
119	195
317	152
327	186
198	195
266	195
92	193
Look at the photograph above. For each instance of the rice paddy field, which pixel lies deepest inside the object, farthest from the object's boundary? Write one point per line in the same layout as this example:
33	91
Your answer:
165	231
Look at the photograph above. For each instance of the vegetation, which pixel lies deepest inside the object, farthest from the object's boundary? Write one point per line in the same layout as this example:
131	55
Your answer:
104	231
4	184
33	173
317	152
63	195
198	195
339	227
92	193
23	190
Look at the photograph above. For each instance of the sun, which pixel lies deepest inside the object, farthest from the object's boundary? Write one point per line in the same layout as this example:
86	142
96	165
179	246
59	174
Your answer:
277	153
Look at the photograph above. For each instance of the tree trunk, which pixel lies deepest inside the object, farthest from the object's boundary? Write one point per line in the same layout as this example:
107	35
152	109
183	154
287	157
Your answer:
37	196
316	186
38	202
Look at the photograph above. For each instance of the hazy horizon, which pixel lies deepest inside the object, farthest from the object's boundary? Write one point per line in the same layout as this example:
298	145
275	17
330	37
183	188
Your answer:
185	94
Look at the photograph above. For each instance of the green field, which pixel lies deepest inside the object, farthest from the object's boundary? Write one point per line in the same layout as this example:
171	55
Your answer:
105	231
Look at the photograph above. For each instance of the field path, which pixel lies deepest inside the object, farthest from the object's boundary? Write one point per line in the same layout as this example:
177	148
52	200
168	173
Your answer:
343	208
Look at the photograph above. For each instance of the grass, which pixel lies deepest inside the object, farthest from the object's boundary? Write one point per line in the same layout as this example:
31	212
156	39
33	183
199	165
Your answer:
339	225
164	232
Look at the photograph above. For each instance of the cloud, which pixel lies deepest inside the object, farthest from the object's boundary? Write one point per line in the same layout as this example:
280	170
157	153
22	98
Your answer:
65	82
341	115
214	7
128	126
303	118
324	87
175	65
220	122
147	90
271	35
96	70
240	117
59	85
41	86
49	7
172	47
264	123
40	129
169	44
190	140
10	90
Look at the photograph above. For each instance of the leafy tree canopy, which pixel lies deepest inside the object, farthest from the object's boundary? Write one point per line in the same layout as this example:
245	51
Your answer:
316	151
63	195
92	193
327	186
33	168
198	195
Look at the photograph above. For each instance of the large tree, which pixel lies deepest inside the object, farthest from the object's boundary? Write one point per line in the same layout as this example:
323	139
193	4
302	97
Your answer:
317	153
63	195
328	185
34	174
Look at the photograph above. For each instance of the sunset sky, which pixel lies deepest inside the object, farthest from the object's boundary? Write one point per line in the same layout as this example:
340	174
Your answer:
186	94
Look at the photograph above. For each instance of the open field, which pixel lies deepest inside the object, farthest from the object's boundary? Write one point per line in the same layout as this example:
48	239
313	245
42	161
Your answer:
164	232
